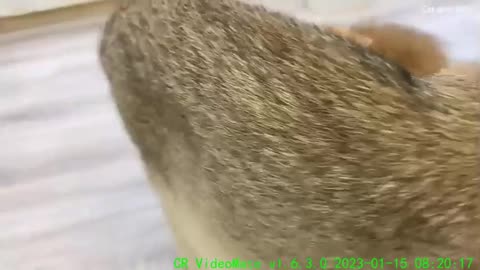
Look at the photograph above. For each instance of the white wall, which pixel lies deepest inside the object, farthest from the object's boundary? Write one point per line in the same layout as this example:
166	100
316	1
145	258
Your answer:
322	7
19	7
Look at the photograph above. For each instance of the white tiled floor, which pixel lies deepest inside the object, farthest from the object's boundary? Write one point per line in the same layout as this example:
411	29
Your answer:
72	192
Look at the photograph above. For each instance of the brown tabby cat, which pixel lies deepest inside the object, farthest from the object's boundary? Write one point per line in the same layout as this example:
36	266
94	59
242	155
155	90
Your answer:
269	138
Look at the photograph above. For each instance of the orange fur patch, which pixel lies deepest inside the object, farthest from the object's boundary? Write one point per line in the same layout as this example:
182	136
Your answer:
418	52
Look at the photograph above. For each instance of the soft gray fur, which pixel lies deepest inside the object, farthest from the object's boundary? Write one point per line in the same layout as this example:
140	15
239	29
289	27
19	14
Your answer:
290	141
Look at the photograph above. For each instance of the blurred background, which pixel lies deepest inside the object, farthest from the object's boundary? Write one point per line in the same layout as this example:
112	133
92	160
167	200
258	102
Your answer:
72	191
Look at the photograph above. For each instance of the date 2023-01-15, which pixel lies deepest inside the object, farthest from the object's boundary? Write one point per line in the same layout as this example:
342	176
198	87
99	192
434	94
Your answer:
420	263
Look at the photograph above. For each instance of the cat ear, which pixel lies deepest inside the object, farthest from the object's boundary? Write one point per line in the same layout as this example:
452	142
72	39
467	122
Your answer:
353	37
419	53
